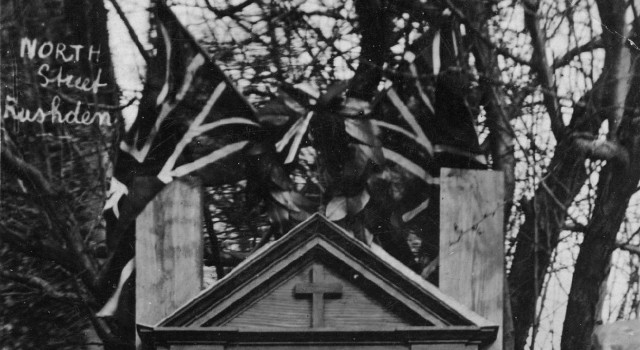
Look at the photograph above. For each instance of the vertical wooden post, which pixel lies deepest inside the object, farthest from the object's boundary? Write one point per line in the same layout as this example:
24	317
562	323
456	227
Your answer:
472	241
169	251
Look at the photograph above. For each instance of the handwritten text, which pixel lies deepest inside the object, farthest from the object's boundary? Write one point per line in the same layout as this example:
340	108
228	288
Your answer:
75	116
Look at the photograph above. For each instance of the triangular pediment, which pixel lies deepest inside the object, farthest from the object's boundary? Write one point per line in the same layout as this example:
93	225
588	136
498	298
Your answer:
350	305
318	273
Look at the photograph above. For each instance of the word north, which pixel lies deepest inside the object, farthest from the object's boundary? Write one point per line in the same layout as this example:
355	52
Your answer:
59	51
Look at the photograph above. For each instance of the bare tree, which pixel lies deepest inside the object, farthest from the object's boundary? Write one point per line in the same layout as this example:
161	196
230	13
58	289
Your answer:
359	103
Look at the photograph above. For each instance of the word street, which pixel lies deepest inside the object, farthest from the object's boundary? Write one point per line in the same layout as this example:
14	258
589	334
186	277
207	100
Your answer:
71	81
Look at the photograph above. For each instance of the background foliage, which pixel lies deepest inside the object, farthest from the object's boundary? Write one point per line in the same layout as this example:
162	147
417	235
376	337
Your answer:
550	87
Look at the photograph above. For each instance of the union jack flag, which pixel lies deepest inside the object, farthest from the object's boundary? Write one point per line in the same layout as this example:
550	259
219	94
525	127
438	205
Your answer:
186	97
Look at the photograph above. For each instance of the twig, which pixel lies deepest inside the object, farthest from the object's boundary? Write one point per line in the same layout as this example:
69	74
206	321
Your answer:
39	248
557	202
132	32
23	170
502	51
65	225
39	284
594	43
229	10
541	67
629	248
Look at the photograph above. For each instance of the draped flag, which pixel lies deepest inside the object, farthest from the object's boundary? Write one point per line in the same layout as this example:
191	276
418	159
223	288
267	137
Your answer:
189	117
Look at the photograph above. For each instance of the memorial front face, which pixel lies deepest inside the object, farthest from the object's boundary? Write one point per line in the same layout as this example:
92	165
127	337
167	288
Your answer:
319	347
319	288
318	297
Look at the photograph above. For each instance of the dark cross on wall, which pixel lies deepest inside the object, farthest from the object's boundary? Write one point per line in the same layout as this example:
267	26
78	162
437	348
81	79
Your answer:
318	291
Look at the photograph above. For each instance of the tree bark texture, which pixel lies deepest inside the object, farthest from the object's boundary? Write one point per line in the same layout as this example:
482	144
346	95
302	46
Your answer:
618	181
545	215
546	212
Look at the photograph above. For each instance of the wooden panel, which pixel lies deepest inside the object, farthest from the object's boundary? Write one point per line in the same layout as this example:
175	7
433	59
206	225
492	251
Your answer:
318	347
472	242
282	309
443	347
169	251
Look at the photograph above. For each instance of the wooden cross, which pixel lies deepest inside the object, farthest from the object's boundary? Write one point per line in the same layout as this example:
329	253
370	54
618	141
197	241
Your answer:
318	291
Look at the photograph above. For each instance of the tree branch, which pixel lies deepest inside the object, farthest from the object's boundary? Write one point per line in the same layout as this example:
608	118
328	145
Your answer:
500	50
39	248
594	43
541	67
39	284
64	224
599	148
104	331
634	249
31	175
229	10
574	227
132	32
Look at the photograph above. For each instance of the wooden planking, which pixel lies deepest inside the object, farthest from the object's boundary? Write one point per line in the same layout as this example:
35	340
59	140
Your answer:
325	347
444	347
472	241
317	347
169	251
281	309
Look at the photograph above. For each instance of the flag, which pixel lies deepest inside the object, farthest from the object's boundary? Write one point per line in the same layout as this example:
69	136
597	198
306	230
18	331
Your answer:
186	99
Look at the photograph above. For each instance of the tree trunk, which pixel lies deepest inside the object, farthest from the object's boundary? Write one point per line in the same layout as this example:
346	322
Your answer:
617	183
546	213
70	159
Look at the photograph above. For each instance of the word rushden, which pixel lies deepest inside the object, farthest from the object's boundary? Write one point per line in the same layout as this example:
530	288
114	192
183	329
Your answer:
53	114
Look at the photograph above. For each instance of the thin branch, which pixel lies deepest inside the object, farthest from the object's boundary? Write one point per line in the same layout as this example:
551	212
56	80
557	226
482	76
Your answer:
541	67
132	32
64	223
500	50
33	178
634	249
229	10
594	43
39	284
559	203
574	227
39	248
103	330
599	148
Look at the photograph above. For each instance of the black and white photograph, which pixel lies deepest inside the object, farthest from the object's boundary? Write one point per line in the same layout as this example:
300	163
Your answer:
320	174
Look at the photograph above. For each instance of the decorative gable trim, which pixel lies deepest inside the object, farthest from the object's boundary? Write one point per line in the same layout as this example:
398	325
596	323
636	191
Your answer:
319	233
318	250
